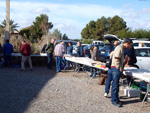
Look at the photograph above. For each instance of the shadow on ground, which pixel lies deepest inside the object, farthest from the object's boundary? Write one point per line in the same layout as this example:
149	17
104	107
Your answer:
18	89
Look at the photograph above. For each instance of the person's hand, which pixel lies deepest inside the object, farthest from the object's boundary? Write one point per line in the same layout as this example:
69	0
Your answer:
122	76
126	60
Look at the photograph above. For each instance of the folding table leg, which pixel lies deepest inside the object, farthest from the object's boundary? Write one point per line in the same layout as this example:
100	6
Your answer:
148	91
144	99
92	76
76	69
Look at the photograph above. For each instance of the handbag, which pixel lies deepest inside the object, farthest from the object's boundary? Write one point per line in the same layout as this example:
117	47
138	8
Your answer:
108	63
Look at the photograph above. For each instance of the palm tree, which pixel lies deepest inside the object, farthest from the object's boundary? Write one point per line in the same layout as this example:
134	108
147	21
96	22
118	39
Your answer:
7	20
12	26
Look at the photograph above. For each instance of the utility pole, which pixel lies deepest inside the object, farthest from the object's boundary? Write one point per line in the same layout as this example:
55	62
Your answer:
6	36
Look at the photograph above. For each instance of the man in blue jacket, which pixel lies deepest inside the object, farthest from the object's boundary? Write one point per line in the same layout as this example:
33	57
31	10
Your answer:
7	51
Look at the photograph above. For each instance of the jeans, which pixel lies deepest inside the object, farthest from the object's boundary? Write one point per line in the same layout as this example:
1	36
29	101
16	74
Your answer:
108	82
58	63
93	72
49	59
24	59
8	60
68	63
115	74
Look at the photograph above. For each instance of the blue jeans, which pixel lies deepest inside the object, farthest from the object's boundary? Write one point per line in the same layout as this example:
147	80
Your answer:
58	63
108	82
49	59
68	63
8	60
93	72
115	74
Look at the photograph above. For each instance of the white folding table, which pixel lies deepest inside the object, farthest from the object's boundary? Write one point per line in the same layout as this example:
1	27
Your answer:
84	61
141	74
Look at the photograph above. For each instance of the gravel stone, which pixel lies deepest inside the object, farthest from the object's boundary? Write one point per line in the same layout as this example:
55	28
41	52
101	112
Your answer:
45	91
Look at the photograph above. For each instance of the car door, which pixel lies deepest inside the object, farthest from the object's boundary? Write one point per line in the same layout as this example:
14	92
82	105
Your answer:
143	58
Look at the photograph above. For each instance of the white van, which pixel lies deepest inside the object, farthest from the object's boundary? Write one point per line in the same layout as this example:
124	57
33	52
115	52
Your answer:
97	42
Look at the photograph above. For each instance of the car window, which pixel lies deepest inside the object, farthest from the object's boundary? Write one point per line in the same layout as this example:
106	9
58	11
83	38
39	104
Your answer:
142	52
99	46
74	43
135	44
146	44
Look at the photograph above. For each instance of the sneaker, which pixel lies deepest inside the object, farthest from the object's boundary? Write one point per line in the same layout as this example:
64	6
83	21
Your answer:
105	95
117	104
121	102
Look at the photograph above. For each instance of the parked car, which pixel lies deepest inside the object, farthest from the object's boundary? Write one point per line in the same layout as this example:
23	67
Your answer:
86	49
75	48
136	43
74	43
66	42
109	47
97	42
143	57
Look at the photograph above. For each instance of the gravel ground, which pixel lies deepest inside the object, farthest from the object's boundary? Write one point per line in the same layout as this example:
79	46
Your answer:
44	91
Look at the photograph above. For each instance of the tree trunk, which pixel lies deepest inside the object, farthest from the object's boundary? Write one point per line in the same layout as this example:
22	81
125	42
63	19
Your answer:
7	20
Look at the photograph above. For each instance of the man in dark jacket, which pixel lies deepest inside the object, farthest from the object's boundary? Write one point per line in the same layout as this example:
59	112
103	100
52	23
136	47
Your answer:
7	51
43	49
50	50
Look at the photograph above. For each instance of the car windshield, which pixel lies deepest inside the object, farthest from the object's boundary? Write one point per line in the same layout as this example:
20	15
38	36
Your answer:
142	52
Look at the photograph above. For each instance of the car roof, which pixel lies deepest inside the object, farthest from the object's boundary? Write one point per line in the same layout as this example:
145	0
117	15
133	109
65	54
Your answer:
84	44
65	41
111	37
136	41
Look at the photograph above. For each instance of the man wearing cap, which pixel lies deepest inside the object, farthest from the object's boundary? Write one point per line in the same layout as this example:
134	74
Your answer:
59	53
117	69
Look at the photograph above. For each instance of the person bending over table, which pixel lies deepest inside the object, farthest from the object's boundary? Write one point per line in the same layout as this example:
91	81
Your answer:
95	56
117	69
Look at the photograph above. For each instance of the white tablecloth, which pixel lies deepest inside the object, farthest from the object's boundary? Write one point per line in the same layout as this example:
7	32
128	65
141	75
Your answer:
19	54
140	74
87	61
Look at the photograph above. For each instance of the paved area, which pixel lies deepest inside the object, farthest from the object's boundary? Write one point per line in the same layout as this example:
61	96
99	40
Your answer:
44	91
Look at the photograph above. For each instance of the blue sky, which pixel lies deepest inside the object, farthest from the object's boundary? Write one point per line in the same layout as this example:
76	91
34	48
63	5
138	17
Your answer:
71	16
